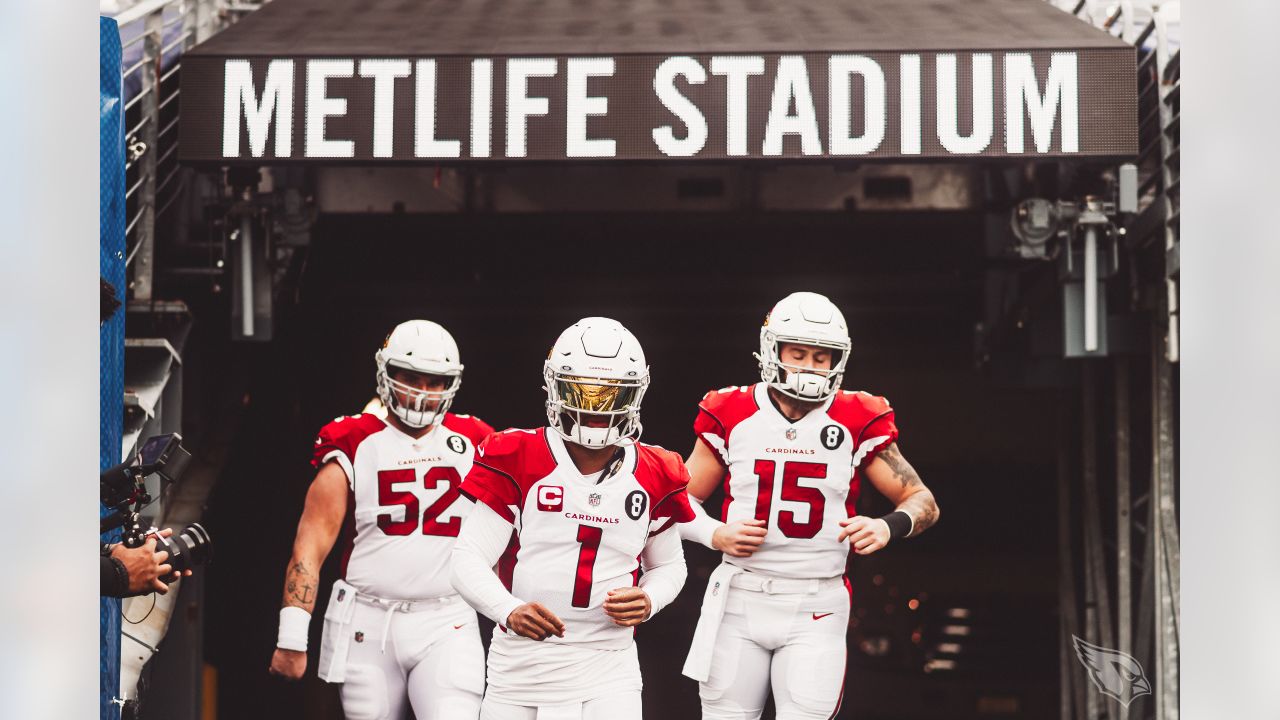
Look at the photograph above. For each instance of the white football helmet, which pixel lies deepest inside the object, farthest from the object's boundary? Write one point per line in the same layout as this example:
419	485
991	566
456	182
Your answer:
425	347
803	318
596	370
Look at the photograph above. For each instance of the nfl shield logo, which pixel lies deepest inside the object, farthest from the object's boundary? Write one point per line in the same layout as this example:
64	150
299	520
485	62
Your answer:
791	433
359	636
594	499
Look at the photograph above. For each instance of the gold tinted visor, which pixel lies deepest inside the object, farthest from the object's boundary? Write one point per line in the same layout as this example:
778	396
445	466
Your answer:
596	395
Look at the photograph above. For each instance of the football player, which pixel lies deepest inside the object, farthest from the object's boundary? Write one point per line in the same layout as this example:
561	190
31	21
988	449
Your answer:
792	452
570	514
394	628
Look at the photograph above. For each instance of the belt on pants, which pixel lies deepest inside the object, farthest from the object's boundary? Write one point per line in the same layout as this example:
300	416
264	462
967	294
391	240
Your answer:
771	585
406	606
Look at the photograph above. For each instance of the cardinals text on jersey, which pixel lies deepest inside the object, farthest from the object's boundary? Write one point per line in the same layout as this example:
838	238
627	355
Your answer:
404	510
576	539
800	477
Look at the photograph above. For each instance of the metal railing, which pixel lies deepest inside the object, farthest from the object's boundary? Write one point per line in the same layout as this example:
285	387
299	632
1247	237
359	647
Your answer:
154	35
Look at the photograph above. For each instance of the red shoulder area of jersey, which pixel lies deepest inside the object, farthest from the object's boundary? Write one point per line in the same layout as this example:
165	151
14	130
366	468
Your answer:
721	410
507	464
344	435
469	426
856	409
664	476
871	420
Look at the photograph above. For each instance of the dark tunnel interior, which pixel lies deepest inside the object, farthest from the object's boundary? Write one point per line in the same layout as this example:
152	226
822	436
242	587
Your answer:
694	289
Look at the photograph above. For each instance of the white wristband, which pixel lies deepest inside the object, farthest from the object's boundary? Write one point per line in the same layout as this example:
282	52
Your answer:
294	624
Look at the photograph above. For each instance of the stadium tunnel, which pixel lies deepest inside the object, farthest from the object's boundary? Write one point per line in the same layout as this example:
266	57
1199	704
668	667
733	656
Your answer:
1014	304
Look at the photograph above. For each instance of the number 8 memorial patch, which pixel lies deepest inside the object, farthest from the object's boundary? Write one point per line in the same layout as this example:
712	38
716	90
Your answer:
637	501
832	436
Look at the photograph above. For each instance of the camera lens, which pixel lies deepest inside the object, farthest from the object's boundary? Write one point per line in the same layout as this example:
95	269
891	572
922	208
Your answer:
191	547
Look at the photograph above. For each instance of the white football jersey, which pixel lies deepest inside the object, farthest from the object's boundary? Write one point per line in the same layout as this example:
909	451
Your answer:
575	538
403	510
801	477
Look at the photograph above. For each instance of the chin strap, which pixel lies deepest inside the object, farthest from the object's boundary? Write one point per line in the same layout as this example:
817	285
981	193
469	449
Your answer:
632	437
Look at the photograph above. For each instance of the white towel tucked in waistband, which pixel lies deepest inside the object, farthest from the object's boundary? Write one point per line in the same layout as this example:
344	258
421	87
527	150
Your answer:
698	664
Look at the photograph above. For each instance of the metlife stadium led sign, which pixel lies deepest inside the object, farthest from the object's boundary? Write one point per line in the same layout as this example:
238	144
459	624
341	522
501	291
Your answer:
354	105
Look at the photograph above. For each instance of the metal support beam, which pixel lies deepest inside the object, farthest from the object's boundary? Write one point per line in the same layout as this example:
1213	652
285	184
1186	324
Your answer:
1072	690
149	74
1164	532
1098	593
1163	13
202	20
1090	290
1144	648
246	274
1124	610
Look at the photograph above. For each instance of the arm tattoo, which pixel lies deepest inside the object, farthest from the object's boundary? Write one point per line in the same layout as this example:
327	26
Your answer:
902	469
921	505
923	509
300	587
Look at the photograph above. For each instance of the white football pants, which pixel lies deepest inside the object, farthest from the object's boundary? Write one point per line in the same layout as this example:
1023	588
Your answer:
791	642
432	656
617	706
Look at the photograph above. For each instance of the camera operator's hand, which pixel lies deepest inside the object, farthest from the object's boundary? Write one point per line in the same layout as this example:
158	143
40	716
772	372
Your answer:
290	664
173	577
145	566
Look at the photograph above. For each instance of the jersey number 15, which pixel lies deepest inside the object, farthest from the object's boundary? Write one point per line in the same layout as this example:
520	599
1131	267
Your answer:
792	491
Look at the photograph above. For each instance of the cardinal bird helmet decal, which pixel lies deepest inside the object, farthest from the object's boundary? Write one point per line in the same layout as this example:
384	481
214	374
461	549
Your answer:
1115	673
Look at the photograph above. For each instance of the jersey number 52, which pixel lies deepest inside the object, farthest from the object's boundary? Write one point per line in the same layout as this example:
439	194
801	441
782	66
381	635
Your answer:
389	496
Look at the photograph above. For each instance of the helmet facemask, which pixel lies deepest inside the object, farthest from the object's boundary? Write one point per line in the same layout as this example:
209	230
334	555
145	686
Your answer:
420	408
575	404
796	381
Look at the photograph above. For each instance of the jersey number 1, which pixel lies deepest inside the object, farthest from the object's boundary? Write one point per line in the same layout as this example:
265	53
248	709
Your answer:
589	536
432	479
792	491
